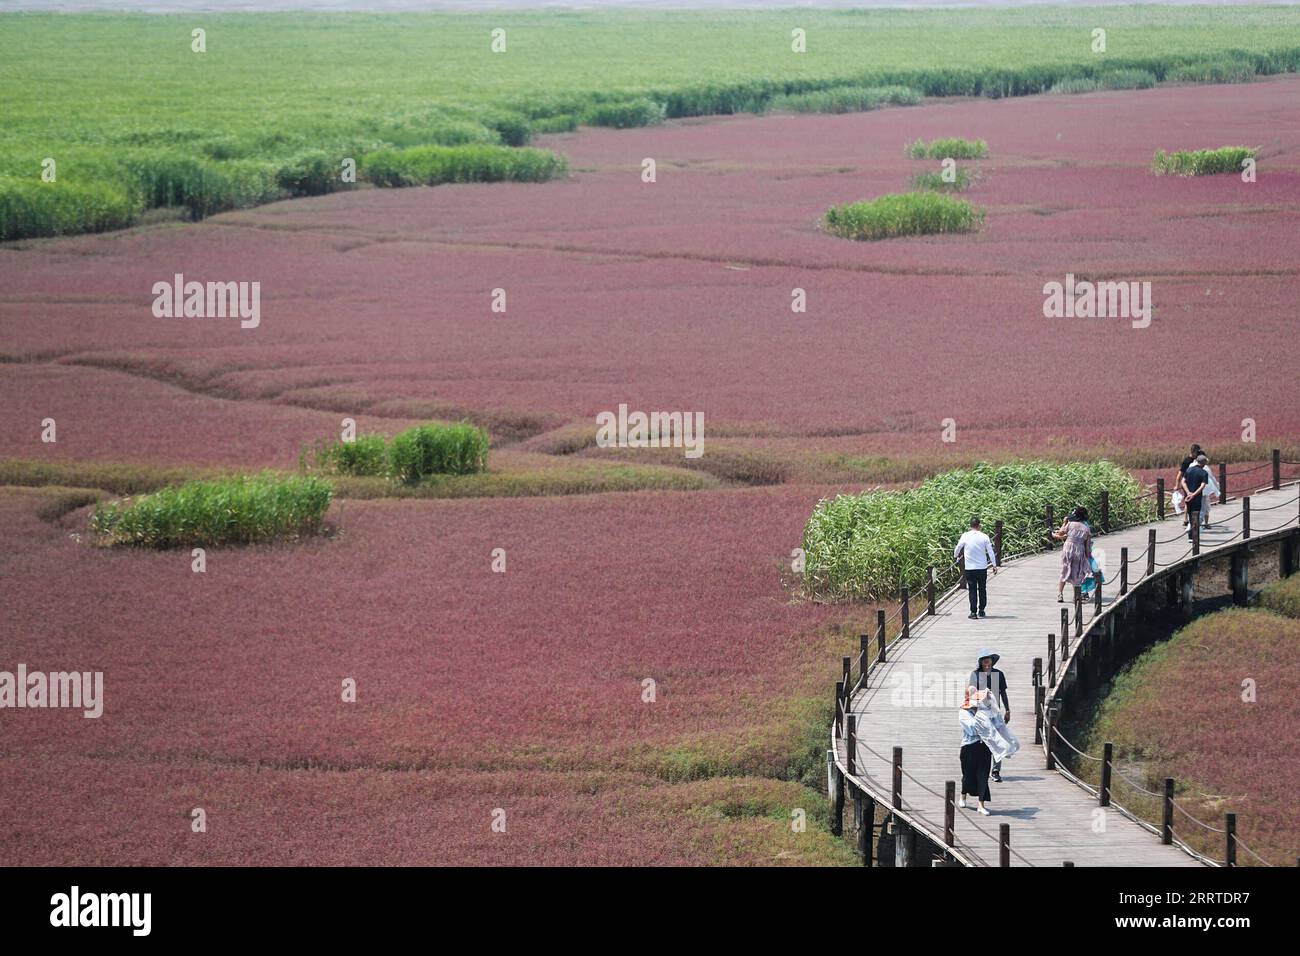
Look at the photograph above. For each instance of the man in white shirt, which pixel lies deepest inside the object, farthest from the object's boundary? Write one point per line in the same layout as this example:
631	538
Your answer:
977	550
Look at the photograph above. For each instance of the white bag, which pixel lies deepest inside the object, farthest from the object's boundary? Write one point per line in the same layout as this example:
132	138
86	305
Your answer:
1211	492
995	733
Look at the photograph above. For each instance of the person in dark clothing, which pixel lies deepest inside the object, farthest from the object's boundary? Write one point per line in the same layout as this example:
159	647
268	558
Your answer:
986	676
1195	479
1182	470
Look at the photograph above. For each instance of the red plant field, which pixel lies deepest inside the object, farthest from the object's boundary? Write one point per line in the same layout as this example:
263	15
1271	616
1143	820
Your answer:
677	294
1184	713
461	672
523	690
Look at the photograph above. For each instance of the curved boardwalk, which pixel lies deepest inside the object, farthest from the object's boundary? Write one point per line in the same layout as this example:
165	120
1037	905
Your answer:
1052	820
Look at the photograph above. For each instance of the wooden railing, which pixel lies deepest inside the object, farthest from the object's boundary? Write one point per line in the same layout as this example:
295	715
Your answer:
1095	655
846	780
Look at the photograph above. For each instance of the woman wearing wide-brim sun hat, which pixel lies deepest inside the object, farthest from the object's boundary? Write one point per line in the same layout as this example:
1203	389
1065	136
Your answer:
986	676
976	758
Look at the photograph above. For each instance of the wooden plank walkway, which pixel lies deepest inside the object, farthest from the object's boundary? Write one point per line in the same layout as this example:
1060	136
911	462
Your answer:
1051	818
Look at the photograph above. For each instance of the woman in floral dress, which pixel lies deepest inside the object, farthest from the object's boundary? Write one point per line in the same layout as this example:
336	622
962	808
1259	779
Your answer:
1076	557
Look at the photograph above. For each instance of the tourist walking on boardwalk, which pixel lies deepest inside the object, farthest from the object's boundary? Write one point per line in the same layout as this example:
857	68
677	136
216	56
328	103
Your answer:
1211	493
985	737
976	550
1195	480
1180	496
986	676
1076	556
975	756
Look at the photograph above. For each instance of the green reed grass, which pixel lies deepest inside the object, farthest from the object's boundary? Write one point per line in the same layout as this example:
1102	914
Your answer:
903	214
432	165
846	99
1282	597
1122	79
949	148
625	114
1201	162
1076	84
426	450
865	547
365	455
270	91
1214	71
416	454
239	510
30	208
1127	79
936	183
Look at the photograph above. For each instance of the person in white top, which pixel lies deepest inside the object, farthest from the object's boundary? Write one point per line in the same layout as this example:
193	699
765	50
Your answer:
1209	495
975	548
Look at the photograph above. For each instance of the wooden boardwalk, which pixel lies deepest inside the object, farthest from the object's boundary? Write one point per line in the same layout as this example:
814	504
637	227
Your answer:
1052	819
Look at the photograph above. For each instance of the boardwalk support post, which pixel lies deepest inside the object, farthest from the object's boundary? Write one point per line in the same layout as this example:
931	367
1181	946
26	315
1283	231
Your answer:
851	745
997	542
857	810
1078	611
1196	534
1123	570
837	807
907	613
1108	756
949	811
1096	595
1223	481
1245	517
864	658
1151	551
880	636
1230	837
1240	577
1038	700
867	829
1065	619
1277	468
904	843
898	779
839	707
1053	714
1051	660
1167	821
929	591
1160	498
1004	844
